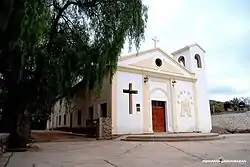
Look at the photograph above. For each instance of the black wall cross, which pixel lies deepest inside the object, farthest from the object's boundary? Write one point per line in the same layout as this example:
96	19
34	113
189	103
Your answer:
130	91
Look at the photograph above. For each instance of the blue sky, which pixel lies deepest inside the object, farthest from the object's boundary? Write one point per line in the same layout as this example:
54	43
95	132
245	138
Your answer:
221	27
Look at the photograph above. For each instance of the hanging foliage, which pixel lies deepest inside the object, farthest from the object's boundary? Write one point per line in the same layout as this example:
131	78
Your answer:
47	46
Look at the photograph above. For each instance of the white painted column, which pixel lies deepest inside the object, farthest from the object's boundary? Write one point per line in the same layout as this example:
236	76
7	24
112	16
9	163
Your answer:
169	108
196	108
150	115
175	120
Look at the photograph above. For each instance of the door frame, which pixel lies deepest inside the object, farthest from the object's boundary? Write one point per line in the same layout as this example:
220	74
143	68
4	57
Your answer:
165	114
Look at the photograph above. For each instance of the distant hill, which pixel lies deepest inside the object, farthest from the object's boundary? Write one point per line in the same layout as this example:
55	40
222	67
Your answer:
213	102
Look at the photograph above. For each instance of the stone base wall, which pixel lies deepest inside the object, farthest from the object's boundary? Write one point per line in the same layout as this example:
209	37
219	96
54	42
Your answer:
104	128
235	122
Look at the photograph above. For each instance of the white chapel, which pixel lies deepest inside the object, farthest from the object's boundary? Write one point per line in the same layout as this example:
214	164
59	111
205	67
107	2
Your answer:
151	91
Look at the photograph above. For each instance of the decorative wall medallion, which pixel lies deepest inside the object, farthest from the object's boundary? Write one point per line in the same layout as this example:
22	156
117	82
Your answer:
185	100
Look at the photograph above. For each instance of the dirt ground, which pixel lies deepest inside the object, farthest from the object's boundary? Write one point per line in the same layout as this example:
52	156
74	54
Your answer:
56	136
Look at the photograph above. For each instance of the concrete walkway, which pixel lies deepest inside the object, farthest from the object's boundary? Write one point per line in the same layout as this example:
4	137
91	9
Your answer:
136	154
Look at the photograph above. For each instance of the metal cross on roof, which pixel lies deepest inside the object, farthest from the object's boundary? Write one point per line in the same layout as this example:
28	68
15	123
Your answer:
155	41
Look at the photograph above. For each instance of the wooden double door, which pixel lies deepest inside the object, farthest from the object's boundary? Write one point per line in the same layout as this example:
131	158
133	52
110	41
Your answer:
158	116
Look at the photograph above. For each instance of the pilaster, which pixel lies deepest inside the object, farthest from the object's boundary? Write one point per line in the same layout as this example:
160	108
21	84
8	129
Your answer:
174	110
146	105
114	103
196	108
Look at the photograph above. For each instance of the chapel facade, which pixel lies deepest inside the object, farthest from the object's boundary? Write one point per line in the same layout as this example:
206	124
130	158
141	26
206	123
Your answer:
151	91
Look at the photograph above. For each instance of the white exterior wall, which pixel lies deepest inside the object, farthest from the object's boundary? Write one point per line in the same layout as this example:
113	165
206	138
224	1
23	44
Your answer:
60	111
160	91
129	123
205	124
204	115
184	90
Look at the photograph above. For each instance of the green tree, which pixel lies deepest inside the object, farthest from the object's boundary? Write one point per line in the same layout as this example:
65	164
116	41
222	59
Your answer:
235	103
47	46
247	102
219	107
227	105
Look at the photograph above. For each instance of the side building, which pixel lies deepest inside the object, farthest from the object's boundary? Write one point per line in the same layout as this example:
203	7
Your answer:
85	107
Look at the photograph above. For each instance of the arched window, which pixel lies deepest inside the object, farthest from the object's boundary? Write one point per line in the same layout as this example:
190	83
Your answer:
181	60
198	60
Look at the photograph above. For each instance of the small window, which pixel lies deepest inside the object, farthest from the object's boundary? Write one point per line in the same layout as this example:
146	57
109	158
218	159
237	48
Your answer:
56	120
104	110
91	113
64	119
181	60
198	60
79	117
138	109
60	120
158	62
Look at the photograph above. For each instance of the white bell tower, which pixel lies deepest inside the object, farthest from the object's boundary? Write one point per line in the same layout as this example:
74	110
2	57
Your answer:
192	58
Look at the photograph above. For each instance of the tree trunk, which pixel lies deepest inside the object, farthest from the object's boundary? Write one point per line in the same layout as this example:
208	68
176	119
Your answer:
18	126
15	120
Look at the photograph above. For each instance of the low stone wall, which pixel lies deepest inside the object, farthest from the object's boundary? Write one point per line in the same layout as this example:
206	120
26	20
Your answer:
104	128
235	122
